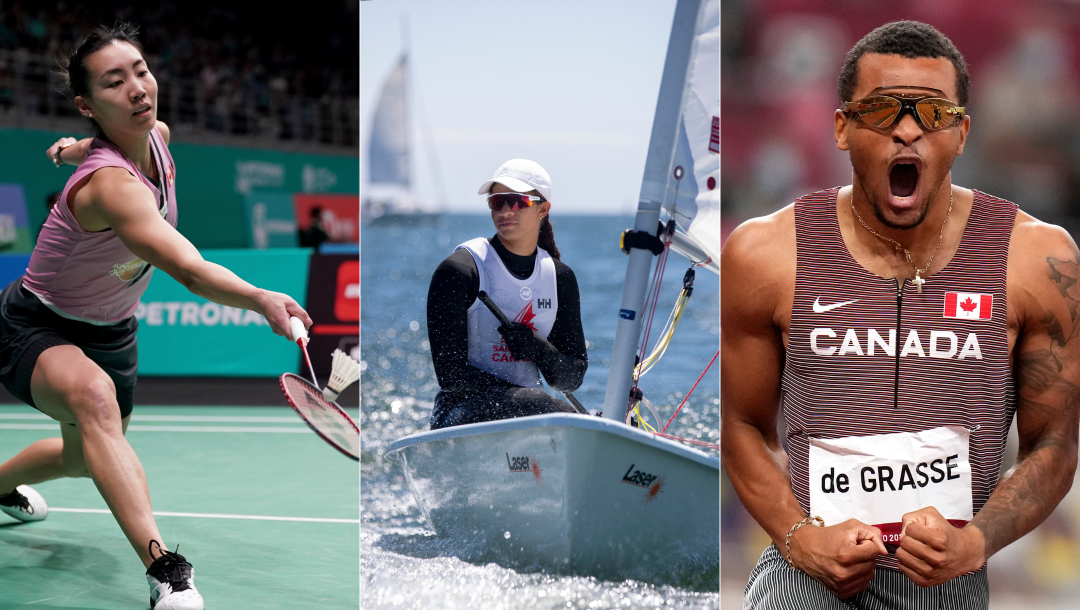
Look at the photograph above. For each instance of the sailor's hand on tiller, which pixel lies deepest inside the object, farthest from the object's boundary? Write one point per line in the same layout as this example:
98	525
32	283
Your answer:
842	557
523	342
933	551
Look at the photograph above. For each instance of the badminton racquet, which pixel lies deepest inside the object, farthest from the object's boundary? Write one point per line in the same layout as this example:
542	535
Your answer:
325	418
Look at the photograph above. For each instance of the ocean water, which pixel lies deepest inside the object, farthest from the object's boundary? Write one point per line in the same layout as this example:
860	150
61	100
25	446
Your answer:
403	563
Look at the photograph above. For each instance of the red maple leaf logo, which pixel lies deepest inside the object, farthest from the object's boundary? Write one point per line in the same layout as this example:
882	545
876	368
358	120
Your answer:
526	315
968	305
536	470
655	489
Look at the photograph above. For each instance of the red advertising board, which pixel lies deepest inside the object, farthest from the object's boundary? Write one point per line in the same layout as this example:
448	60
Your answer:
340	214
333	302
347	295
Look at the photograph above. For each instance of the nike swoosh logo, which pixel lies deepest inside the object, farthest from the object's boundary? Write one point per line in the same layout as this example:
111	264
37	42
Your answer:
819	308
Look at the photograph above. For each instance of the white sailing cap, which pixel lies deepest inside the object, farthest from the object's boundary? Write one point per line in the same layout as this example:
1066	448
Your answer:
522	176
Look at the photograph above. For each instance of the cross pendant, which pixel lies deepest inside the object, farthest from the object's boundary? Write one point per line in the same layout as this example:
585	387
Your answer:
918	281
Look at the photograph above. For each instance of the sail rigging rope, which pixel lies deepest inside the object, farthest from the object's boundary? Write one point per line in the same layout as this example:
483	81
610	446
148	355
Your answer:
691	441
654	295
692	390
669	327
641	421
645	363
654	292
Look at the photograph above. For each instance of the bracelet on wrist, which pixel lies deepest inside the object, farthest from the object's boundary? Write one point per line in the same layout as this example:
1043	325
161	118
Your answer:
818	521
57	161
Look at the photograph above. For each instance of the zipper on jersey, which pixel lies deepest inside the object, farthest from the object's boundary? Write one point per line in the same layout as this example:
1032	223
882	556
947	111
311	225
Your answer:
899	342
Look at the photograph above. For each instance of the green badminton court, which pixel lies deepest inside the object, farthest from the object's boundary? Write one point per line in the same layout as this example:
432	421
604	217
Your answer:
266	512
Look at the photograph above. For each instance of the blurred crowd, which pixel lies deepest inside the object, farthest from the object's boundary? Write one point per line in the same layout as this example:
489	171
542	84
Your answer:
228	62
780	63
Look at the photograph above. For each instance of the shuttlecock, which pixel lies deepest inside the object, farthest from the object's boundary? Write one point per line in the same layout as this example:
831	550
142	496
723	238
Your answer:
343	373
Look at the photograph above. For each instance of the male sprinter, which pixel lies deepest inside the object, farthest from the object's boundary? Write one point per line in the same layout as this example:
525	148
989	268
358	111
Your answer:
901	322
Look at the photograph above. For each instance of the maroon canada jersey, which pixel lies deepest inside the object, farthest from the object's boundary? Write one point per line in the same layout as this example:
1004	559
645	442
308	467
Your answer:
866	358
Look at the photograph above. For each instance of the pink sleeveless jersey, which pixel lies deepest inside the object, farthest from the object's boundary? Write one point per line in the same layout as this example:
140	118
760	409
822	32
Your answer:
92	276
865	358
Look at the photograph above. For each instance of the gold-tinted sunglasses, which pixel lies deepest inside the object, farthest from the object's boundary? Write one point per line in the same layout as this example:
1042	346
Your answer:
882	111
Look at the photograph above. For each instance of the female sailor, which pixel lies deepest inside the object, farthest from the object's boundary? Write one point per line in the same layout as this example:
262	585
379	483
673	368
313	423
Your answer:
488	371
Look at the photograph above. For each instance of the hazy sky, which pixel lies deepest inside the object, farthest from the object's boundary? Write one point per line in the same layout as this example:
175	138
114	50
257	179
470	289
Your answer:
571	85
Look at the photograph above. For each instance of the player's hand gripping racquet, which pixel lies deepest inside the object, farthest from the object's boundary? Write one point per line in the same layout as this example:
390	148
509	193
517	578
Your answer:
325	418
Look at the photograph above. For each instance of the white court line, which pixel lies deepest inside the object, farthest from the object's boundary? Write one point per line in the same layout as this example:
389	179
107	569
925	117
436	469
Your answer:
104	511
239	419
138	428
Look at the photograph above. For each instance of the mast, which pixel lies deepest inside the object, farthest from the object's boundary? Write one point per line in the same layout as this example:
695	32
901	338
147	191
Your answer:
654	187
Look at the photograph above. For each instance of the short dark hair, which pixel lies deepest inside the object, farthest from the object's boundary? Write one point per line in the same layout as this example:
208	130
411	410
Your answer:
73	66
911	39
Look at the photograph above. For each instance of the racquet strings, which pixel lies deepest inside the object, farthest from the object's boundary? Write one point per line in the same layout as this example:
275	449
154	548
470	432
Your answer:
325	418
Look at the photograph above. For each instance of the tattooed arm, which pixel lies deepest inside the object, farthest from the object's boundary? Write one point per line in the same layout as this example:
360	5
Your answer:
1044	293
1043	298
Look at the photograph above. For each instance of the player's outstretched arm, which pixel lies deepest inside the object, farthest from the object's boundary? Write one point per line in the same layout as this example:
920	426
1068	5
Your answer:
1044	293
115	199
757	283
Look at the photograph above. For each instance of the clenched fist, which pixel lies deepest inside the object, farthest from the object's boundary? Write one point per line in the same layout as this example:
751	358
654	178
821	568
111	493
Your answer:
933	551
842	557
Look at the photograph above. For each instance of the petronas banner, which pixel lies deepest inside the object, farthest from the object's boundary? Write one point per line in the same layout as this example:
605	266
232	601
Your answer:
182	335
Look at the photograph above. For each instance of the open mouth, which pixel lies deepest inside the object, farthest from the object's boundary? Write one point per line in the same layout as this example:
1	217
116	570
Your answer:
903	179
143	111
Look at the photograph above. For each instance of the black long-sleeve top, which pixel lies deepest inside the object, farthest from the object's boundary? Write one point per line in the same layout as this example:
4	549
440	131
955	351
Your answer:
453	290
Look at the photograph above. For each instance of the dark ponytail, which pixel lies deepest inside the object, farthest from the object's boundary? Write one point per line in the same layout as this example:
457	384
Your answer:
546	240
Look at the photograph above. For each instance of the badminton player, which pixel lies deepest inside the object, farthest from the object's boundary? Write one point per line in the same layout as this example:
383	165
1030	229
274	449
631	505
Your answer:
67	334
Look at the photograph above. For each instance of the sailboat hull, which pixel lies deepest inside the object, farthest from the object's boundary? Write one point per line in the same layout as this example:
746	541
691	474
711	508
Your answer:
539	493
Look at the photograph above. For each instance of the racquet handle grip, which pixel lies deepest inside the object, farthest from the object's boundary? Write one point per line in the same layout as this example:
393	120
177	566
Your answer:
297	330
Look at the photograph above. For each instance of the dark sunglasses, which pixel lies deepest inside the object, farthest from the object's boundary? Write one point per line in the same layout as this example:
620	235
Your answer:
882	111
517	201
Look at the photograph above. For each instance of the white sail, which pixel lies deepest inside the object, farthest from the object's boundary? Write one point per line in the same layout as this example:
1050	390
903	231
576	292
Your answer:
388	195
388	148
688	84
694	200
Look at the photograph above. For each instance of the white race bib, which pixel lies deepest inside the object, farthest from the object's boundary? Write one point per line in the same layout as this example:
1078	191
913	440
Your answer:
877	479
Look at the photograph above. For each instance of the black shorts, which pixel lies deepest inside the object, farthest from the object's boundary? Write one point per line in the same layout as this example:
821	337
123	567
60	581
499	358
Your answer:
28	327
495	403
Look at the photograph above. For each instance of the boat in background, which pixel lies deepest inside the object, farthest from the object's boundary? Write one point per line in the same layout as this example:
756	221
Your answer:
388	197
580	494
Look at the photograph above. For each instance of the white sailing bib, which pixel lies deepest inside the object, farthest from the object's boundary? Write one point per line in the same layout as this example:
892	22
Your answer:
877	479
533	301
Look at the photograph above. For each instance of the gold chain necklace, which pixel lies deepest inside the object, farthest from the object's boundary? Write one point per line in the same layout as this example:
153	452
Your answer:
918	281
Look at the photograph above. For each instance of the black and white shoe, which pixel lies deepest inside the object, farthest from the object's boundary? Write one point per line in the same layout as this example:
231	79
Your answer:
24	504
172	582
